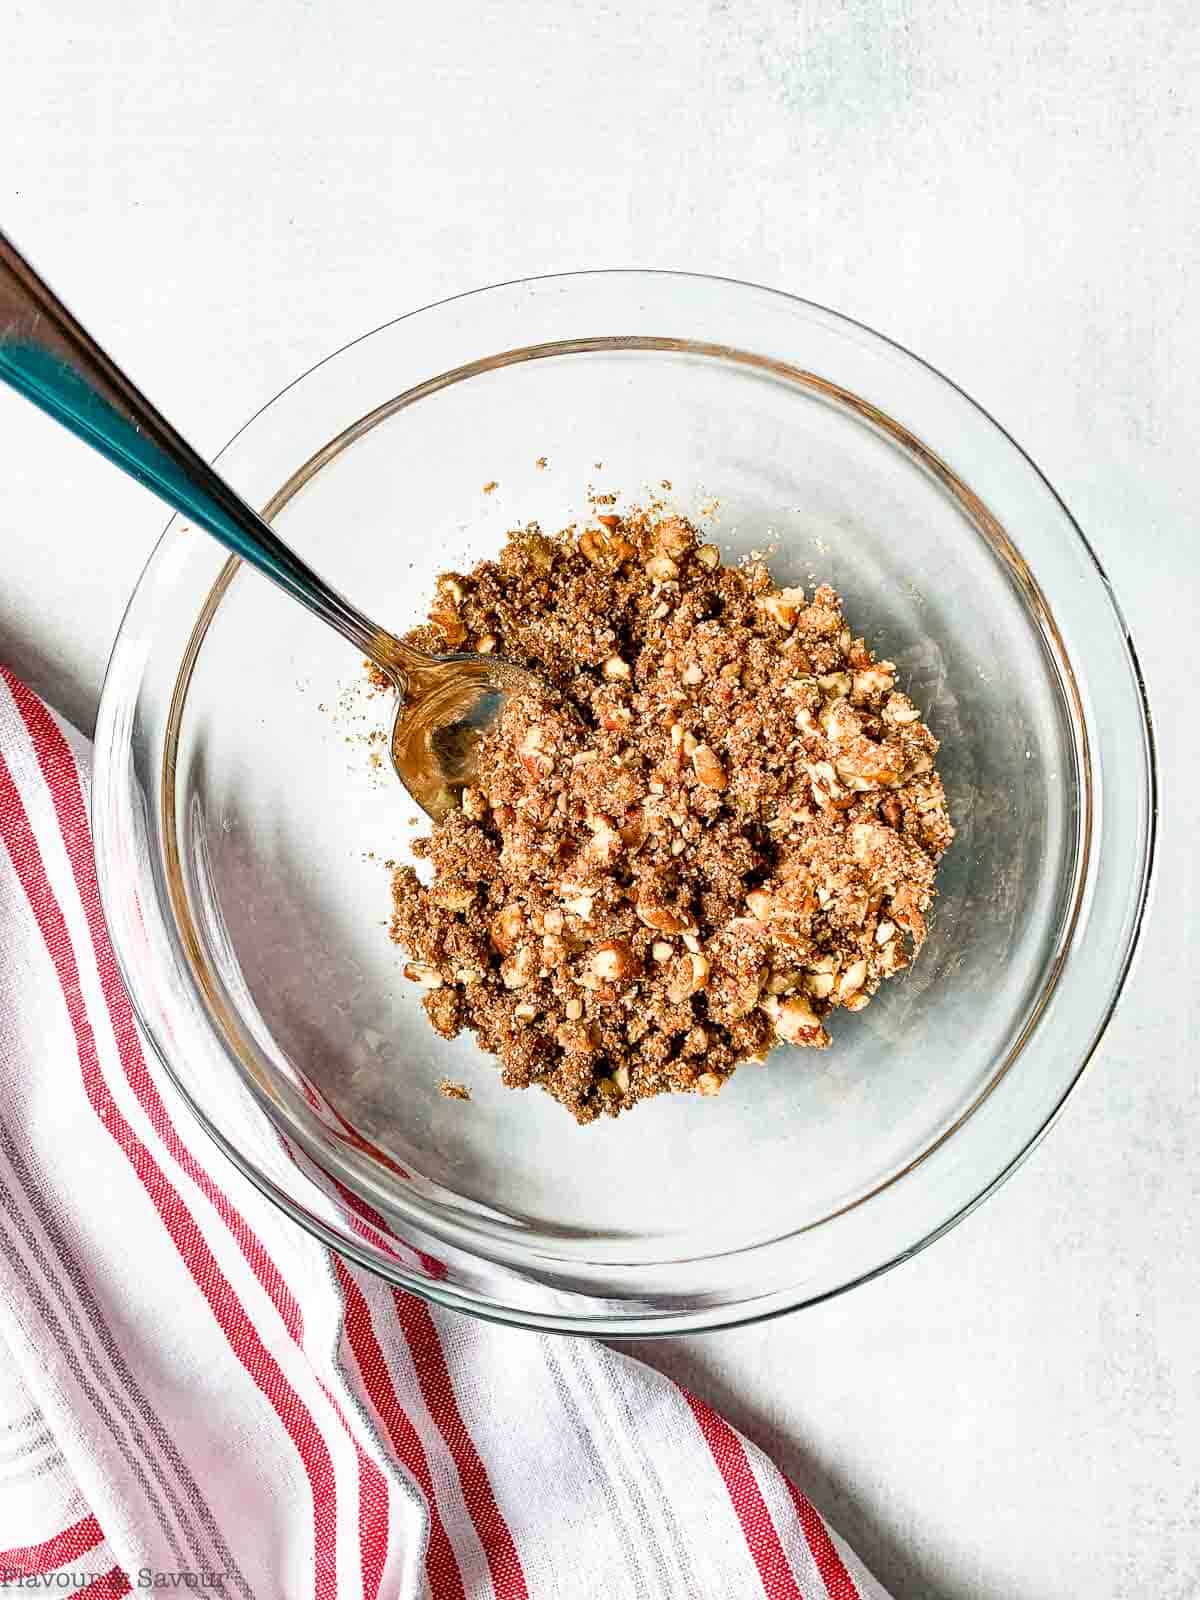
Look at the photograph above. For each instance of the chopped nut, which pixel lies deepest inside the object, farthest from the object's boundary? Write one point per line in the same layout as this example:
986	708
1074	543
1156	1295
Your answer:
819	985
662	569
679	981
761	904
474	804
784	982
574	1010
853	978
621	1078
612	962
836	685
616	669
708	556
824	779
453	896
507	927
635	829
876	767
592	546
419	972
524	1013
661	950
874	682
840	721
444	1008
487	644
533	754
900	710
782	606
576	1038
519	969
538	551
689	974
708	768
660	918
884	932
608	520
867	839
605	844
673	537
708	1083
796	1018
690	941
448	622
693	675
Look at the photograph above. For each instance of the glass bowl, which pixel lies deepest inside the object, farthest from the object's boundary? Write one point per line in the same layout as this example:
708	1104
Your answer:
242	824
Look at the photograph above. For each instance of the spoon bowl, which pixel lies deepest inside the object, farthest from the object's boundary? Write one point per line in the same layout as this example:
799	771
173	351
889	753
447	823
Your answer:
445	705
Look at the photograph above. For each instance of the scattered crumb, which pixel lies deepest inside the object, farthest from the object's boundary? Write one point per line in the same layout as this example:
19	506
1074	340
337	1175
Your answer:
491	486
719	824
453	1091
540	463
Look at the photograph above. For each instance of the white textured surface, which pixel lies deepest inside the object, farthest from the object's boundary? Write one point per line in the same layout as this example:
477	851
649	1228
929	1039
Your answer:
227	192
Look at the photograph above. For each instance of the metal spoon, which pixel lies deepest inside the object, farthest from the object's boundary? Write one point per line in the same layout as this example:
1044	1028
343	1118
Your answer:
444	703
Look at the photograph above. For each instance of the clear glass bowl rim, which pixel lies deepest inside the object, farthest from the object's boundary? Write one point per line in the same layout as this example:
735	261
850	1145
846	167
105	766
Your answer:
113	717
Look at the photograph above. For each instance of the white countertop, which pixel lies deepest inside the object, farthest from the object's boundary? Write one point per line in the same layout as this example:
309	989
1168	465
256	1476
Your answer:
227	192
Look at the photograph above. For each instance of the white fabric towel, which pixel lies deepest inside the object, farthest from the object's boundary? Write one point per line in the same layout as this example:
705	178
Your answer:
195	1395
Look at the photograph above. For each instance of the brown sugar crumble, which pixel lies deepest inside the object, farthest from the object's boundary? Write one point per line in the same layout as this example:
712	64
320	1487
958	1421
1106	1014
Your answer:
720	823
453	1091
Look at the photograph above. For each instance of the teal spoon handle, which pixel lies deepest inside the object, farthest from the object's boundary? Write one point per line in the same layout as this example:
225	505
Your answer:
49	358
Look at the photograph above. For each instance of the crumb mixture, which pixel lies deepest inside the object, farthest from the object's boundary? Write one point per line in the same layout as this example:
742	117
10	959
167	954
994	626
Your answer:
719	824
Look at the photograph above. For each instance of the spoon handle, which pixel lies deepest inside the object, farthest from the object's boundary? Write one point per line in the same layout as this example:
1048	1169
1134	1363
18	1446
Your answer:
49	358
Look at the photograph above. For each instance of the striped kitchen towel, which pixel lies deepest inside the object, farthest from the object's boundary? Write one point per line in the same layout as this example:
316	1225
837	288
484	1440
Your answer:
195	1394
